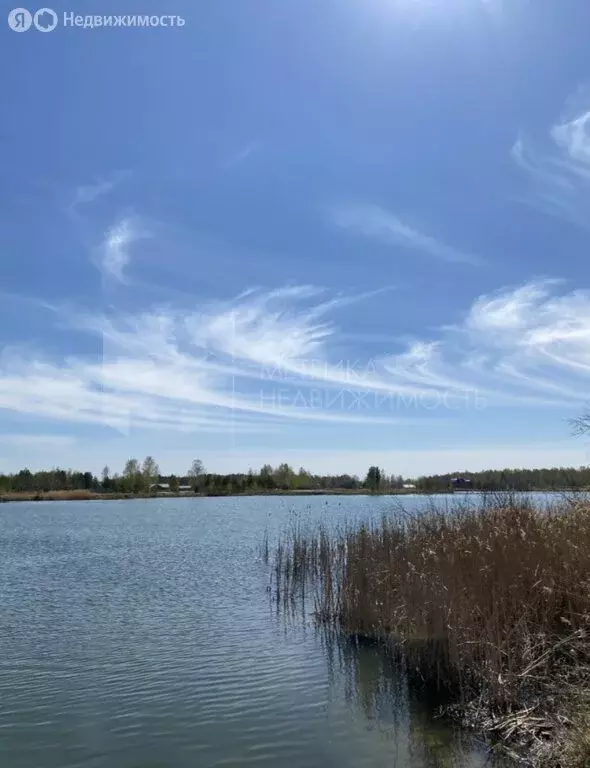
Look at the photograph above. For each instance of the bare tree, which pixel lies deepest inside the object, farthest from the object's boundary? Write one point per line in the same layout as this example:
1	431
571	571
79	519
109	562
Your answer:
131	468
197	469
581	424
150	471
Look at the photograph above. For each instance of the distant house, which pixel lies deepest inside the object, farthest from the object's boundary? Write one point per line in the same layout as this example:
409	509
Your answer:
160	486
461	483
408	486
185	488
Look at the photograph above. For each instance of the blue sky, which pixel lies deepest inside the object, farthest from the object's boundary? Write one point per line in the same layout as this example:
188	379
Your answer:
335	234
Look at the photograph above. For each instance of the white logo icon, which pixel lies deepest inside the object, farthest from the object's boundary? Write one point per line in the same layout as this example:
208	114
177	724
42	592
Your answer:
19	19
45	20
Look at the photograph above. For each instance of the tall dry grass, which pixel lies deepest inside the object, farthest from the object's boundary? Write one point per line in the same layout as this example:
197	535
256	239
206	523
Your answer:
491	605
73	495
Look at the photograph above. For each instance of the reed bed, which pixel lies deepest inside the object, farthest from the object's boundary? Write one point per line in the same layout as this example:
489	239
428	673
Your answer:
72	495
489	604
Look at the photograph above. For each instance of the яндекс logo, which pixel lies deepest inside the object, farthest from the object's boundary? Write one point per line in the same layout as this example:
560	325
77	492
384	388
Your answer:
21	20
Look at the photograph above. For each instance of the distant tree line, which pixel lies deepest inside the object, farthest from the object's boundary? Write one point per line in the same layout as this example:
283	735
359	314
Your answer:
145	478
556	478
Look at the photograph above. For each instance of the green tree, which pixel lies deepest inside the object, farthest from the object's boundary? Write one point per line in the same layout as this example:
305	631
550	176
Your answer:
106	480
132	477
284	476
267	479
150	471
373	479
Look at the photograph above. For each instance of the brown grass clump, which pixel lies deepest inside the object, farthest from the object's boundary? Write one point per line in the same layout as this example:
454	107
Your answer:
576	749
73	495
492	605
79	495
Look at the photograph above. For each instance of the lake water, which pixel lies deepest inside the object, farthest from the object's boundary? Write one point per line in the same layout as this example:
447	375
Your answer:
139	634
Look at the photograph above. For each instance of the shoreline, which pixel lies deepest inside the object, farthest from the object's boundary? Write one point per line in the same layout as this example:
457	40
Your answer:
79	495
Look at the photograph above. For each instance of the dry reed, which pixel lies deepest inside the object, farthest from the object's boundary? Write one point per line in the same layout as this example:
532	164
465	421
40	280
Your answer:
490	604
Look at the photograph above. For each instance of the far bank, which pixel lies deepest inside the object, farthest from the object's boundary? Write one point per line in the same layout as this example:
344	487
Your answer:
81	495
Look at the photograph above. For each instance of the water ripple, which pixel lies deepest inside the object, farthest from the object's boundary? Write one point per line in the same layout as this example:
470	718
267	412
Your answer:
139	634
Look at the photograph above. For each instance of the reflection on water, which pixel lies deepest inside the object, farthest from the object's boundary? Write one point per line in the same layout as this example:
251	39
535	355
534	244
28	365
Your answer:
137	634
374	683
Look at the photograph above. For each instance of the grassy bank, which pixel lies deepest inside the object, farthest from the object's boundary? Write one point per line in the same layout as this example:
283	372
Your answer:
490	605
81	495
76	495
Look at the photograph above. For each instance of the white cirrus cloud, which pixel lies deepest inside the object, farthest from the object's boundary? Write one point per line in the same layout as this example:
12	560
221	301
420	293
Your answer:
242	154
559	167
376	223
88	193
114	253
34	441
528	344
205	369
573	137
212	368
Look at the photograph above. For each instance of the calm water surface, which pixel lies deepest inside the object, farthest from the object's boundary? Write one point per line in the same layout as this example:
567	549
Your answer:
139	634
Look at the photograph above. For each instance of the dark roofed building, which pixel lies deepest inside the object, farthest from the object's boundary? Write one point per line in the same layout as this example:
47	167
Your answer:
461	483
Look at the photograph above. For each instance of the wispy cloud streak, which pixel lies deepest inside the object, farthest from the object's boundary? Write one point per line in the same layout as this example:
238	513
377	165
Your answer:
209	369
559	168
31	442
241	155
376	223
200	370
89	193
528	344
113	255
